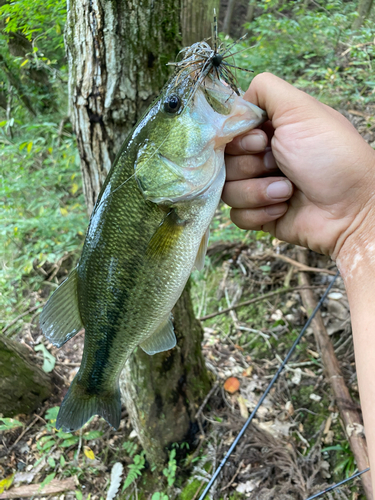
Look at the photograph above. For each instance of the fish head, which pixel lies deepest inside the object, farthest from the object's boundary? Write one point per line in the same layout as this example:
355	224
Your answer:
181	140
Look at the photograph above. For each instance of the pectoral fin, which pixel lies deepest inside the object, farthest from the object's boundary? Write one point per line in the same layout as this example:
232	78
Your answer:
60	319
161	340
199	260
165	237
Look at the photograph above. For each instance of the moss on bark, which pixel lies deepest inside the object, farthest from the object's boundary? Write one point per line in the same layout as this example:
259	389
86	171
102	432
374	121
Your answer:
23	385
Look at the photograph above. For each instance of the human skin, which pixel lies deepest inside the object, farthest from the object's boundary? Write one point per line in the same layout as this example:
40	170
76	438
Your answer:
308	178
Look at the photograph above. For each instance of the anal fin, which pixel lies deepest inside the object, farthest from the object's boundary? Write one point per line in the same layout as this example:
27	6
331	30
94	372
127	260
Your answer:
199	260
60	319
162	339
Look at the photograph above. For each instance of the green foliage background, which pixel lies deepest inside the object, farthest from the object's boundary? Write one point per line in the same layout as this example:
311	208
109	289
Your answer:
42	211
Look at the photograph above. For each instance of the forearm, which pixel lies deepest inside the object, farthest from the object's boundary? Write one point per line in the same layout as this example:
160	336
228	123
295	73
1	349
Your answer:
356	262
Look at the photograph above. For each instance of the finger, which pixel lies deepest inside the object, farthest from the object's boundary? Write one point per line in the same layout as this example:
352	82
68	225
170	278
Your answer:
276	96
254	193
248	166
257	217
254	141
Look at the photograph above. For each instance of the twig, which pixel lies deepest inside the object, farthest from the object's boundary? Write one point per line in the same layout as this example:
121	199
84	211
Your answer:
258	299
57	266
55	486
24	432
350	416
205	401
32	309
234	477
300	266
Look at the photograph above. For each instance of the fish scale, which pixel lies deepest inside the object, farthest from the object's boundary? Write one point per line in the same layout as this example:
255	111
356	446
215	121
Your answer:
148	229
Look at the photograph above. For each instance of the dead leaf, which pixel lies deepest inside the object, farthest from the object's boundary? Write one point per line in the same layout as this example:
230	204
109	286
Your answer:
6	483
313	353
296	379
247	487
243	408
247	372
315	397
289	408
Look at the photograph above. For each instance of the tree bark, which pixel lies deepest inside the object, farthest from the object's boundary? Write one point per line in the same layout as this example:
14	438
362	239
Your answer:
117	53
228	16
23	385
364	9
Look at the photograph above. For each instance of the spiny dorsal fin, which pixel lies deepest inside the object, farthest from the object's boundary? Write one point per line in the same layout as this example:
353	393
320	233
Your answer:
60	319
199	260
161	340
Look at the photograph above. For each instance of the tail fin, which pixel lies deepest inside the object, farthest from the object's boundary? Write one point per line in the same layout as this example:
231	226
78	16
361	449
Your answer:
79	406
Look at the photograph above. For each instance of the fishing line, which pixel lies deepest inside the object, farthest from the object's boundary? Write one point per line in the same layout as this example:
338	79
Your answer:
334	486
266	392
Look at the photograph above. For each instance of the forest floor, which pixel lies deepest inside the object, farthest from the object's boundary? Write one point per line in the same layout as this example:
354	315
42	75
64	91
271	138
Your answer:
297	443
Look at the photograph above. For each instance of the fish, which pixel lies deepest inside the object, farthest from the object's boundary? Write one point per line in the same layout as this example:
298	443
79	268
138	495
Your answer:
148	229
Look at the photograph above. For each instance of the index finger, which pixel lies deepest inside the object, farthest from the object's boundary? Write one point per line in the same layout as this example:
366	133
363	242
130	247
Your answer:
252	142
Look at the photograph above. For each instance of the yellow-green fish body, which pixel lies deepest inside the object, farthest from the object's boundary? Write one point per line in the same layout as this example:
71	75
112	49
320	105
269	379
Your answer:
148	229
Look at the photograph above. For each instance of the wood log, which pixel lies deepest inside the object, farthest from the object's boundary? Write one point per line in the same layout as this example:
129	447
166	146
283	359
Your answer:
30	490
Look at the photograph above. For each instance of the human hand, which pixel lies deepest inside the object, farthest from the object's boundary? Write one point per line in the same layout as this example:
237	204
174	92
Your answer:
329	188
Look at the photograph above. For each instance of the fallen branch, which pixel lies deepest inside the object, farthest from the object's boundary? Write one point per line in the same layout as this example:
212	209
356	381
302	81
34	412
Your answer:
299	265
28	491
258	299
350	416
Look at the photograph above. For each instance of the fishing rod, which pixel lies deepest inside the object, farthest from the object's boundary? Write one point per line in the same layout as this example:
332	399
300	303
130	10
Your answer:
334	486
266	392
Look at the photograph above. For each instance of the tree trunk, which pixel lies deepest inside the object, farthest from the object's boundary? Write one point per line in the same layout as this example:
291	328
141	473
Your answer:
364	8
228	16
23	385
117	53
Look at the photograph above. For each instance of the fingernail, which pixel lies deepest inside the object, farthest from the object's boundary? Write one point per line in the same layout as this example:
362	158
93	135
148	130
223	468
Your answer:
269	161
279	190
253	142
275	209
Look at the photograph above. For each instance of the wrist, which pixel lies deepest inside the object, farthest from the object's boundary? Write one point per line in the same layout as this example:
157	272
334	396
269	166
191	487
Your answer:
355	248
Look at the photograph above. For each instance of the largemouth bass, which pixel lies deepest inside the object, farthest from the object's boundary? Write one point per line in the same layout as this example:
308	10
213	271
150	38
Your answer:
148	229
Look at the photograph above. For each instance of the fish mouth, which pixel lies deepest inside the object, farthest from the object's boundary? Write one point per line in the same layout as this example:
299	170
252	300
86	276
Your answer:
190	189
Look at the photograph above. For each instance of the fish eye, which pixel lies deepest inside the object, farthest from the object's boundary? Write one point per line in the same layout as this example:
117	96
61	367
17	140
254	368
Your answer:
172	104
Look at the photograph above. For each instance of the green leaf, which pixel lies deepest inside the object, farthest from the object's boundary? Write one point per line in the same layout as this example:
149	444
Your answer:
79	495
9	423
51	414
92	435
49	361
51	462
62	461
69	442
47	480
64	435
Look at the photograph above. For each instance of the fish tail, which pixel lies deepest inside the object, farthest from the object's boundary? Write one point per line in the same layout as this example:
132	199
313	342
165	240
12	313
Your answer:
79	406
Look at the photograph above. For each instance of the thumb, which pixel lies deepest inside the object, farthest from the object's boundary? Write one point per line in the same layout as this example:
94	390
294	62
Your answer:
278	97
